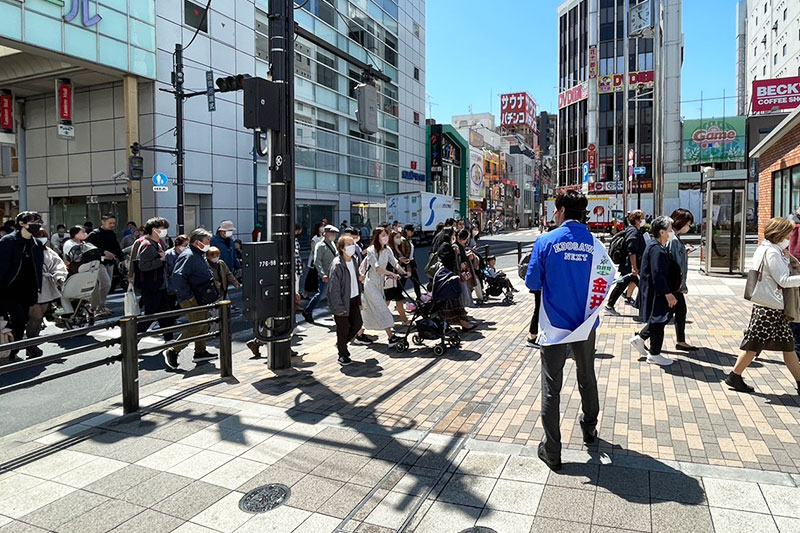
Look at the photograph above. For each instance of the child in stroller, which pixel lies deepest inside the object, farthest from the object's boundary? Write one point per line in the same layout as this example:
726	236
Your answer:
497	282
426	324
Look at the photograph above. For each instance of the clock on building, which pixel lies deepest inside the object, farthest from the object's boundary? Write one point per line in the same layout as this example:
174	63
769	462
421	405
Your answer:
641	18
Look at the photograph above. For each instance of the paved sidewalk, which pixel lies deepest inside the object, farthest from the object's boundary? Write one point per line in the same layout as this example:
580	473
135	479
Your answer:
416	442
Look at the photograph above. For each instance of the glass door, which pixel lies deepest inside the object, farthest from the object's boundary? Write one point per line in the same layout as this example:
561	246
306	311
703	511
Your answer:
727	231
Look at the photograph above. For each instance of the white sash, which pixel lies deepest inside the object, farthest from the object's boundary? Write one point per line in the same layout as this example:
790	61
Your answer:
602	277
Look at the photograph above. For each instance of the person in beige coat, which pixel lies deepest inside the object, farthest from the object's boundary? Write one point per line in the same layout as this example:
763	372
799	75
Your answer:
54	272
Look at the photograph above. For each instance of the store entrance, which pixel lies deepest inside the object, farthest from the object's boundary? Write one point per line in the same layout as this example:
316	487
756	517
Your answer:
76	210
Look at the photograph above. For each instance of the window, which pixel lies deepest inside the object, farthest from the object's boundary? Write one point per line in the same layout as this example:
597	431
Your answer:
784	14
765	7
775	59
194	16
764	70
784	50
416	73
416	30
416	118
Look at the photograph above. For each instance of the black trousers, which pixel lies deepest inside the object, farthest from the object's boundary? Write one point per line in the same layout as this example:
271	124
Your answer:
534	329
620	288
154	302
680	317
553	359
415	278
347	327
17	319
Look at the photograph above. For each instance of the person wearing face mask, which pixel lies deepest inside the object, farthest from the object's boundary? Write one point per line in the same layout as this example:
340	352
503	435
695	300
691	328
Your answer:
181	242
408	248
194	284
660	280
222	276
393	289
224	241
629	270
769	328
324	254
148	268
105	238
682	220
378	256
54	272
21	265
58	238
344	295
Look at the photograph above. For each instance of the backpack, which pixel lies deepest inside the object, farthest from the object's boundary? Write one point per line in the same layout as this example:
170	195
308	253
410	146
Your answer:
617	248
522	268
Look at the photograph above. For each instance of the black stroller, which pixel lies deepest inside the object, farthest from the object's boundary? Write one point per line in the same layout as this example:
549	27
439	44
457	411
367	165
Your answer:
497	286
426	325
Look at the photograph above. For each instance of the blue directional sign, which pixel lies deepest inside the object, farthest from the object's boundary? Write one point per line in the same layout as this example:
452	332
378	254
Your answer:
586	172
639	171
160	180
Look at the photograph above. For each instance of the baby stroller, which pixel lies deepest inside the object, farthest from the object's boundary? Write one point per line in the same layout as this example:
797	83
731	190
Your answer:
84	266
426	325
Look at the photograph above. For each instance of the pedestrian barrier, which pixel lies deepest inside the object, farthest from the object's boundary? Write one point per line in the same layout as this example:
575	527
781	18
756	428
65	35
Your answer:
129	349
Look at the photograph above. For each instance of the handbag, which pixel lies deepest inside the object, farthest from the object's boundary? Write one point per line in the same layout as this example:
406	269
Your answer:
206	293
131	303
753	277
311	284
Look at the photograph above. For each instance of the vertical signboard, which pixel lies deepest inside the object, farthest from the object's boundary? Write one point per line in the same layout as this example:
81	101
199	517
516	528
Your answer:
592	62
6	111
517	109
64	126
436	152
476	175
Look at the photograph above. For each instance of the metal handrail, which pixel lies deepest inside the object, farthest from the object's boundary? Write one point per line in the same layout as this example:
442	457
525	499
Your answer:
130	352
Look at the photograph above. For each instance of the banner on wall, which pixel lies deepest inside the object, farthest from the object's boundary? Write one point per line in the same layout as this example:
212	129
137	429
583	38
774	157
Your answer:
780	93
64	126
517	109
476	177
714	140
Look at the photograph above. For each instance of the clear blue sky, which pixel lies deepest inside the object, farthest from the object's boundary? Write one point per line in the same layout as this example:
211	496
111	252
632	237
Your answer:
477	50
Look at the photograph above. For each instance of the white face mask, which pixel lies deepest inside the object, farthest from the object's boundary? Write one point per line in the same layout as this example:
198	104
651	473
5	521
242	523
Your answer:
229	233
205	247
385	240
162	233
214	259
42	240
784	244
350	250
474	233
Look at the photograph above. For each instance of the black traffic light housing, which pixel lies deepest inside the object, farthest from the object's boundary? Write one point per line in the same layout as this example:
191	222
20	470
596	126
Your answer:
135	163
231	83
261	104
261	276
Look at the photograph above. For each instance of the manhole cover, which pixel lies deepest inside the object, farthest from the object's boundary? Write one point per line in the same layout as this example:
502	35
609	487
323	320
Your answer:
479	529
265	498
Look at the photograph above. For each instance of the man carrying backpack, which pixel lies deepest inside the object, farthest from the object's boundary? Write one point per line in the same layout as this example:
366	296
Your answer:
148	266
626	250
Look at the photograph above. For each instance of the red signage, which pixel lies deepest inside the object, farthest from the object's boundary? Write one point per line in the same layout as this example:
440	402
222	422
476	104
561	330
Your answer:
517	109
64	89
610	83
573	95
592	62
592	158
780	93
6	111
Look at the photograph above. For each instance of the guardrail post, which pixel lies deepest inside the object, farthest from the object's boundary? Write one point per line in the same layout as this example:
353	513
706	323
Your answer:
130	365
519	252
225	349
485	252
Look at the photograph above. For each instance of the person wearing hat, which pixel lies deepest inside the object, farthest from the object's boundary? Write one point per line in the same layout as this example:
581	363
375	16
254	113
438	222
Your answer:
324	254
224	241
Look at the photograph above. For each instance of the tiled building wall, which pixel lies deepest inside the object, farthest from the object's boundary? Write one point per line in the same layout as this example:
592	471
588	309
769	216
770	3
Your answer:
783	154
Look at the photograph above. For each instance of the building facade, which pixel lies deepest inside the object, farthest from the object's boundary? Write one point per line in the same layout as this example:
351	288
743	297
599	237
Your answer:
592	84
768	39
120	54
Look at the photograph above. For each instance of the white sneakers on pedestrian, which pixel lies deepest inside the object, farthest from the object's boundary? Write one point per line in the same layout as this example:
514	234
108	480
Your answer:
659	360
638	343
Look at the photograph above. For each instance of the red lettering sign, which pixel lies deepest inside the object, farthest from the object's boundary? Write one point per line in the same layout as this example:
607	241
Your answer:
780	93
573	95
6	111
64	100
517	109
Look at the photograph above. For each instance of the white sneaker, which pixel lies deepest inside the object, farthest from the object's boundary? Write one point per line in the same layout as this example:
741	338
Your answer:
638	343
659	360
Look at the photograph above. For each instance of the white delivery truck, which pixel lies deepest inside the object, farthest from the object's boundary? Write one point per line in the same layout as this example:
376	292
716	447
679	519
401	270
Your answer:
423	209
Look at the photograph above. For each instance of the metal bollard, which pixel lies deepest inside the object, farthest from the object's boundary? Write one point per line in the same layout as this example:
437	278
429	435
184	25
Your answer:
130	365
519	252
485	251
225	349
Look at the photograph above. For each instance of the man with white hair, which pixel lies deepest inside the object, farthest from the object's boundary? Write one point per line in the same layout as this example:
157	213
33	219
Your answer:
324	254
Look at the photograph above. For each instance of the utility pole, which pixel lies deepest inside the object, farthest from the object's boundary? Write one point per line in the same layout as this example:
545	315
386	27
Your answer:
177	83
626	115
658	113
281	180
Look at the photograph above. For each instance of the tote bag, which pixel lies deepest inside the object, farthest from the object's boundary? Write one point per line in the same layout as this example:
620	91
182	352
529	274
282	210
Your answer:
131	303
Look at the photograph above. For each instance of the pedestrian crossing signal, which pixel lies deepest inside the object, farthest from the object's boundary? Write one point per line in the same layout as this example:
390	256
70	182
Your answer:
231	83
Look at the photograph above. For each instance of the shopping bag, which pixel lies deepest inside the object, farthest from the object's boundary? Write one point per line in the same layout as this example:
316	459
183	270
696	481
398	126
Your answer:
131	304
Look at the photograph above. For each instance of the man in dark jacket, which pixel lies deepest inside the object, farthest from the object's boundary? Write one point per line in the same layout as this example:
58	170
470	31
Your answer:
192	276
105	238
629	271
794	249
224	241
148	262
21	260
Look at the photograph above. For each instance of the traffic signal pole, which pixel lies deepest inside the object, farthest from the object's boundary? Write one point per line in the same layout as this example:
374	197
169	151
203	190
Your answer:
177	83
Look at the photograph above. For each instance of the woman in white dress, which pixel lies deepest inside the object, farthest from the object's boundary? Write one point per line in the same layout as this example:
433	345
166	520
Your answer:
375	313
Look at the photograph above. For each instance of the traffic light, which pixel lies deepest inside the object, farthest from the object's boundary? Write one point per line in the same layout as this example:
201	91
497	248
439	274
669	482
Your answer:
261	104
367	112
135	163
231	83
516	192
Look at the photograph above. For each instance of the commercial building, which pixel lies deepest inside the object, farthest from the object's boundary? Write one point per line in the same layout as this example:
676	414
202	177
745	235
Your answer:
592	84
118	55
768	38
447	160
